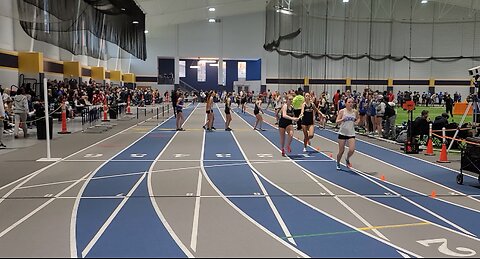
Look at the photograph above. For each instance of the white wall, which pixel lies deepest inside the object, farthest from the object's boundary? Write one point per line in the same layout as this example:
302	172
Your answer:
240	37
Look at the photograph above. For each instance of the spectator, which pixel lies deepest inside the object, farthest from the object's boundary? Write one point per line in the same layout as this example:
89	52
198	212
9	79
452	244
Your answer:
449	105
421	125
2	118
21	110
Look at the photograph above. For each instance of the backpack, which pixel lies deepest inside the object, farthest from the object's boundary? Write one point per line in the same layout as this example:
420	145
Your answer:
389	111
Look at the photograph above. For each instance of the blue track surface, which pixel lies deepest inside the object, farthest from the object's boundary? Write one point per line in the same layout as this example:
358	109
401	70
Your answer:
356	183
93	213
299	218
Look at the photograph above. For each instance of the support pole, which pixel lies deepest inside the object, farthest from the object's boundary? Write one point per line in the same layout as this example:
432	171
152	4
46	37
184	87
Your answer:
47	125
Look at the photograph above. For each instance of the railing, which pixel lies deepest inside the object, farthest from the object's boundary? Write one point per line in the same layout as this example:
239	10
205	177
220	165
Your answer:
189	87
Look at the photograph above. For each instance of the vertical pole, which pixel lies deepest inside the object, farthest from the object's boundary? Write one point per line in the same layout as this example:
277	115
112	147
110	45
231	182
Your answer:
431	131
443	135
47	117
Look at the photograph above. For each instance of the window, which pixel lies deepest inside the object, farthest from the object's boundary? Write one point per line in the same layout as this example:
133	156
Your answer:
182	71
242	70
202	72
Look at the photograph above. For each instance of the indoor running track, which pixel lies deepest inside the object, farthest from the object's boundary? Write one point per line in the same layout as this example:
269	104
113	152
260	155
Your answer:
150	191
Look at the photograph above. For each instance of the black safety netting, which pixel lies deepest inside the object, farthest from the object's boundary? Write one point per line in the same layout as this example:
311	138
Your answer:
83	27
330	29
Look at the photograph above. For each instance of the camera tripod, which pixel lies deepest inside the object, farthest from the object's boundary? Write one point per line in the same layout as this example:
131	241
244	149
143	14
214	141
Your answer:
476	109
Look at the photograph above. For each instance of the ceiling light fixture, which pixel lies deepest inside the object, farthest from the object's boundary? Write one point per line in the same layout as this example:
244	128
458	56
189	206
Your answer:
284	10
212	9
424	1
146	31
135	22
214	65
346	1
195	67
211	20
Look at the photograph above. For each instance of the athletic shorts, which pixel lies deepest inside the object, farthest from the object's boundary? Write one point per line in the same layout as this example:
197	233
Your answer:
342	137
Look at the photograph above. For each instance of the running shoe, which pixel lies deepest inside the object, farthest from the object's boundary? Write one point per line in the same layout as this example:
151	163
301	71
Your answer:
289	149
228	129
204	127
262	130
182	129
213	128
349	165
2	145
283	152
338	167
304	150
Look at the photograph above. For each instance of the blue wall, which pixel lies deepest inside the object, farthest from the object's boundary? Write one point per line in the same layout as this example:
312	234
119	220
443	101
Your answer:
254	73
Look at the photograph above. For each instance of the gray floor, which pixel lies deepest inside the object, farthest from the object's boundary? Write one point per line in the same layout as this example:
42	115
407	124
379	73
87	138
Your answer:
39	203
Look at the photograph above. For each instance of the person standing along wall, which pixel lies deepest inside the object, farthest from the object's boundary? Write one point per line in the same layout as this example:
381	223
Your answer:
2	118
21	111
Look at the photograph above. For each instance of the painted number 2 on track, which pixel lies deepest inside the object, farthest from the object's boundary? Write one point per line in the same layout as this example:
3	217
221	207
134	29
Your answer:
443	248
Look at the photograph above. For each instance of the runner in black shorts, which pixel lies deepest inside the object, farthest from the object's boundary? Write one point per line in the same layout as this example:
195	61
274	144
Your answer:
179	108
308	120
228	108
256	111
285	124
347	119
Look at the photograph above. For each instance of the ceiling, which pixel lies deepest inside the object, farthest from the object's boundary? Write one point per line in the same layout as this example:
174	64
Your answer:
169	12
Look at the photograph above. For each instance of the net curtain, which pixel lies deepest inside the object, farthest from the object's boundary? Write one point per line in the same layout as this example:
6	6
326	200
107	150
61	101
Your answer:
83	26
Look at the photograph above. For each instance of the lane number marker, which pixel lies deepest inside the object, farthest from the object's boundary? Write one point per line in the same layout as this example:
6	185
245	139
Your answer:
443	248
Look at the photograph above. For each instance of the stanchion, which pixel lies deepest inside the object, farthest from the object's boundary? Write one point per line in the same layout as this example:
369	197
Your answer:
443	154
47	126
430	142
163	111
105	111
64	120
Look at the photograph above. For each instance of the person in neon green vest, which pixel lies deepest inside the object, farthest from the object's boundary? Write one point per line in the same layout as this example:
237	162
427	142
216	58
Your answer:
297	103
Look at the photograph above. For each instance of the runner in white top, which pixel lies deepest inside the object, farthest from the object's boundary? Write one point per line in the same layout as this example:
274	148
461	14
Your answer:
347	119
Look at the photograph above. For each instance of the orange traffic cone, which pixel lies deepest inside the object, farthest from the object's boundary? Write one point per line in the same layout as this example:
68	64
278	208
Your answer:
64	121
433	195
443	155
382	178
430	148
105	111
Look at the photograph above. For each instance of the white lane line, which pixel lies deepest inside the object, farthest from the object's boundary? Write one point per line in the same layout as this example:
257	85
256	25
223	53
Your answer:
354	213
196	214
34	174
175	160
404	255
366	176
73	222
107	223
408	172
270	202
13	226
321	211
414	203
268	232
279	218
154	202
358	216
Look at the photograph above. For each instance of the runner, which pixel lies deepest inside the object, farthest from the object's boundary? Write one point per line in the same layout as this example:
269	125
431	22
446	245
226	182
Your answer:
257	110
309	110
286	124
278	106
347	118
243	101
179	107
209	110
228	108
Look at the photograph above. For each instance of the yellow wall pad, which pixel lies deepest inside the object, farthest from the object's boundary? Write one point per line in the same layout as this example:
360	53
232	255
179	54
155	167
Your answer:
30	62
72	69
116	75
129	78
98	73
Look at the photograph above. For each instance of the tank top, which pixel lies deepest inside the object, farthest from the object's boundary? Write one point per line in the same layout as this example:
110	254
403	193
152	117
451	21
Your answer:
308	115
227	106
291	113
257	110
347	128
